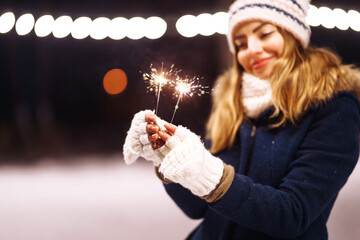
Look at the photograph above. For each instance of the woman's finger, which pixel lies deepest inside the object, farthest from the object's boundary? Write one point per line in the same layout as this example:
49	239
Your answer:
152	128
170	127
150	118
160	142
164	136
153	137
157	144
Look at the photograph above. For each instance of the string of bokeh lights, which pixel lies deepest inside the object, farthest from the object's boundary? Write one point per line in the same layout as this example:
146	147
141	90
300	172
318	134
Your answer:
154	27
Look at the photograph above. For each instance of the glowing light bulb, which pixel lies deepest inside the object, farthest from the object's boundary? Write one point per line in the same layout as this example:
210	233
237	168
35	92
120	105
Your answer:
44	26
354	20
341	17
221	20
100	28
81	28
155	27
206	24
7	22
136	28
118	28
187	26
313	18
327	18
62	26
25	24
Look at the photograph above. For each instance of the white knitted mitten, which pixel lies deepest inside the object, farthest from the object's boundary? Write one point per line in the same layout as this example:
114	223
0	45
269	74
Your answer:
190	164
137	143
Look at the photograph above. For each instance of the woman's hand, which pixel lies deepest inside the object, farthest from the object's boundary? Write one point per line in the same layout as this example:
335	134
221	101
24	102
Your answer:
139	143
136	142
187	161
156	136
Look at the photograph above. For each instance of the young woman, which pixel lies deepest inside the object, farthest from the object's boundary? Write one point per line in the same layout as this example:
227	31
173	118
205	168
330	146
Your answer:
283	130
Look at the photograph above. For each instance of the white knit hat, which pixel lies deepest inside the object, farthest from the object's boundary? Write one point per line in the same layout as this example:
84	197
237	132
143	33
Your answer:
287	14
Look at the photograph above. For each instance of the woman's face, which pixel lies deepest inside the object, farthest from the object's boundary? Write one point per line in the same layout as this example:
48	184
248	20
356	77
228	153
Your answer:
259	45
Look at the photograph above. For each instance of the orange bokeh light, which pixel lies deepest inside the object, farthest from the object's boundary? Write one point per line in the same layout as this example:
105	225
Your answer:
115	81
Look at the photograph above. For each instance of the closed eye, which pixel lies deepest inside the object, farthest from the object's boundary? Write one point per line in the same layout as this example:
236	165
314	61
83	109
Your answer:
264	35
239	46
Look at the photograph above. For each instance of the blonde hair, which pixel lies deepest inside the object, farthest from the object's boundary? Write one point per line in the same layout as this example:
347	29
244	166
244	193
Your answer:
300	79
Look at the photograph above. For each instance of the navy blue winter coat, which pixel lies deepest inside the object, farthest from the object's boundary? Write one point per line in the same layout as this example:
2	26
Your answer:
286	179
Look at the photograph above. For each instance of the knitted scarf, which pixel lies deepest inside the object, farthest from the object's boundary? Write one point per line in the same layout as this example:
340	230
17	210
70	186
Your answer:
256	95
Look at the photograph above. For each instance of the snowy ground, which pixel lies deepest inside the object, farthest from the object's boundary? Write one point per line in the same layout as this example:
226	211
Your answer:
96	199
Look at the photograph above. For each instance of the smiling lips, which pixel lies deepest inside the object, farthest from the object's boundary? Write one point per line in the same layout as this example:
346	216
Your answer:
260	63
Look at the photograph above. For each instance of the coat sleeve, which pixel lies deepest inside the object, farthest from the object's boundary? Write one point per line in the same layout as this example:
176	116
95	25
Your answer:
321	166
193	206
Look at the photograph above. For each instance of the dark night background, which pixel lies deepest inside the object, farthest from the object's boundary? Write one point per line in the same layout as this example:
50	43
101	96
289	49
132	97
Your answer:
53	104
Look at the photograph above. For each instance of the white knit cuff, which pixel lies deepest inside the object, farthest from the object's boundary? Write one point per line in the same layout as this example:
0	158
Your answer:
169	144
209	178
180	134
192	166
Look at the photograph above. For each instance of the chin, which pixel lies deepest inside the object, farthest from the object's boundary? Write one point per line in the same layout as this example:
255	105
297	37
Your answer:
263	75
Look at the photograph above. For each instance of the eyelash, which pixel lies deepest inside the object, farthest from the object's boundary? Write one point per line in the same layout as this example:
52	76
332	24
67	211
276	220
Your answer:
262	36
238	46
266	34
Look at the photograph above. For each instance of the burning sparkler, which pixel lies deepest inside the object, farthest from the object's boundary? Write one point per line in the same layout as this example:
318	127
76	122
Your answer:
187	87
157	79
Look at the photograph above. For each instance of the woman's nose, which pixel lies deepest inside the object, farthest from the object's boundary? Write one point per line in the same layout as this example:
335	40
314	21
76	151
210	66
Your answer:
254	46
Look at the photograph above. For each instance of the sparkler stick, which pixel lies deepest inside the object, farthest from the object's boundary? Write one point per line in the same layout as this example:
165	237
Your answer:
184	88
157	81
160	80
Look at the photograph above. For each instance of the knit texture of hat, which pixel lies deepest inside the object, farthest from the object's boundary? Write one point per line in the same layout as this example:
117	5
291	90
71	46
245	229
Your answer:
286	14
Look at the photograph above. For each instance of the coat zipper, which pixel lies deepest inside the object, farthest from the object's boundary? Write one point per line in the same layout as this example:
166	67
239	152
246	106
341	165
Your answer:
253	131
252	135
